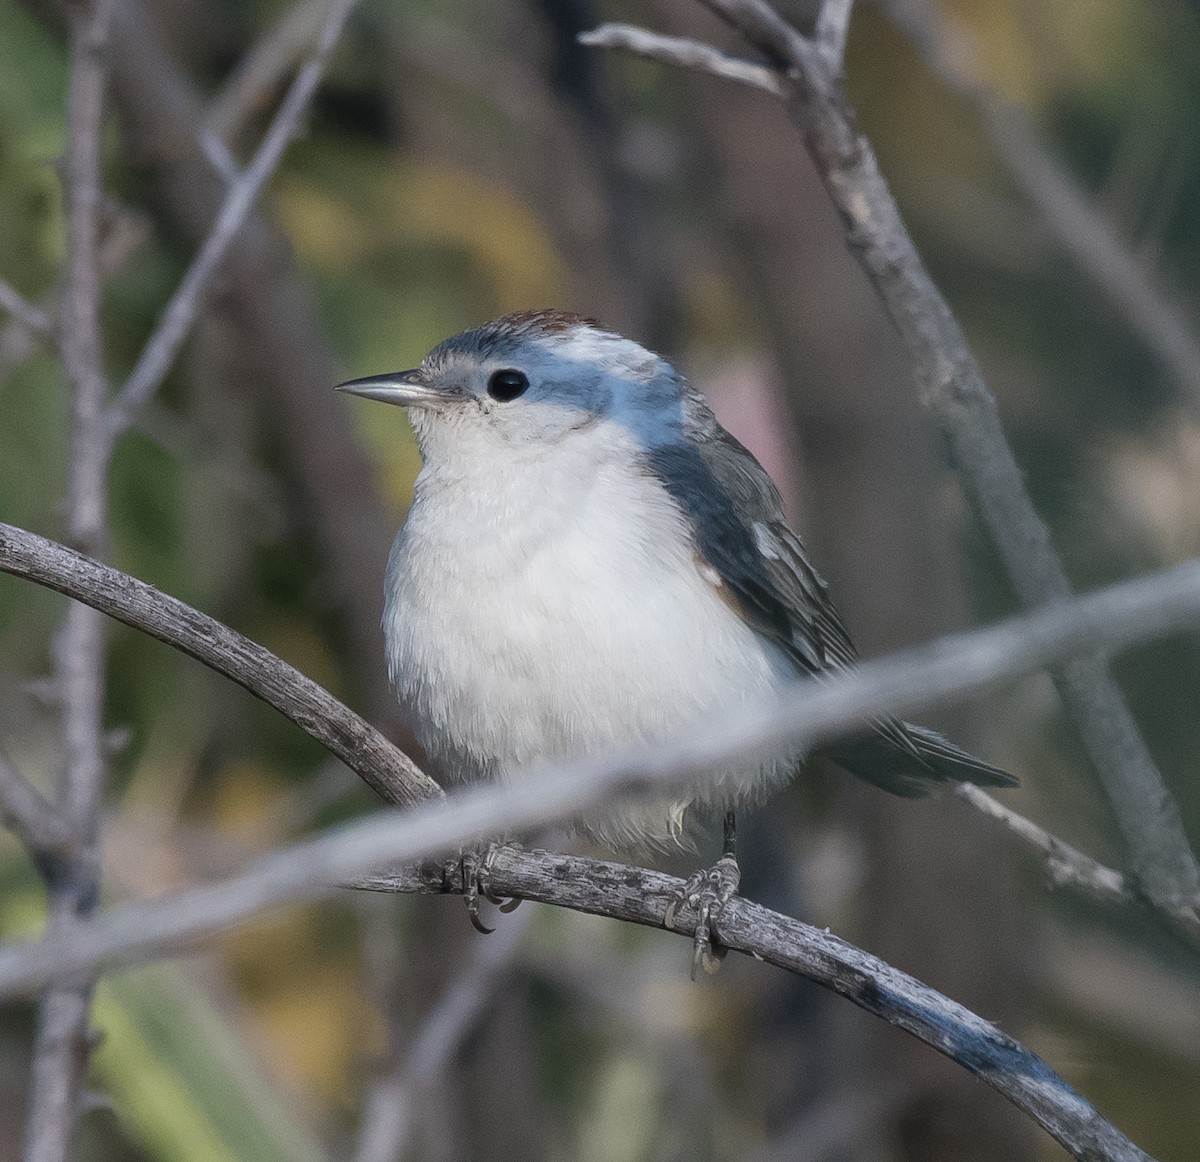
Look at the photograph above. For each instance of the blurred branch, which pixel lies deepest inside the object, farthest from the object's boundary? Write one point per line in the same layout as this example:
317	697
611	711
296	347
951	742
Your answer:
945	670
832	32
63	1039
634	895
392	1103
29	815
1065	865
24	312
1097	250
952	387
163	346
684	53
385	768
264	67
1068	867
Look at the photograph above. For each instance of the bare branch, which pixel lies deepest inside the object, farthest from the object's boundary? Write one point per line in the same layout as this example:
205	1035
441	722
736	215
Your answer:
631	894
1066	866
160	352
63	1041
808	717
265	66
947	670
29	815
391	1106
683	52
952	387
833	30
24	312
385	768
1097	250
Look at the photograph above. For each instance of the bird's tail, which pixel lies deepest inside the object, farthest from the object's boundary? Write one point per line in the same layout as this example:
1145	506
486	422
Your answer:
913	770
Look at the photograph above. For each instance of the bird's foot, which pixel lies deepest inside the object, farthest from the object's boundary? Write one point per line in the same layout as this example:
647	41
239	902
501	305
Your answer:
708	891
476	868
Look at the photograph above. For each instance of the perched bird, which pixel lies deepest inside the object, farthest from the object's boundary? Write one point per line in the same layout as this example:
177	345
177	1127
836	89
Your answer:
591	562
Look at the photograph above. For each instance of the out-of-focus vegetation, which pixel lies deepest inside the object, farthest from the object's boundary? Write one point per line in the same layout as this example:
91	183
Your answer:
463	160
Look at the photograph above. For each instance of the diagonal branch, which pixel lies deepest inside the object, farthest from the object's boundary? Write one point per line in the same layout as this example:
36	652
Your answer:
833	31
391	1108
31	317
684	53
1097	250
630	894
29	815
952	387
164	345
809	716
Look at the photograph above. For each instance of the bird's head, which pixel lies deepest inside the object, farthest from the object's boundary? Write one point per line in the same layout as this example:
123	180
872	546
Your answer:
531	379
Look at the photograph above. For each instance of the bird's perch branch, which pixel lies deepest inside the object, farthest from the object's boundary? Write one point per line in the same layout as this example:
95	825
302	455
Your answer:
952	387
948	669
807	717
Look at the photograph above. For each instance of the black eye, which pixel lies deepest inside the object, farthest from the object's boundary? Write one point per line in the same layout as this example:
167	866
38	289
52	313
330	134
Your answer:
507	384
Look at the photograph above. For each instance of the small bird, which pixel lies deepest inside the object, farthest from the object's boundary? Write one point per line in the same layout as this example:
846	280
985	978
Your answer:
590	563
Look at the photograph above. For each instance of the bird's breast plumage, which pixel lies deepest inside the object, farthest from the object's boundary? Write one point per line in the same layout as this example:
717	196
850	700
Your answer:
560	610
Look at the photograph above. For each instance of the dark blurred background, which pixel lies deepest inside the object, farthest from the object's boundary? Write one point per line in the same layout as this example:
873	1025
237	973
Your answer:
467	158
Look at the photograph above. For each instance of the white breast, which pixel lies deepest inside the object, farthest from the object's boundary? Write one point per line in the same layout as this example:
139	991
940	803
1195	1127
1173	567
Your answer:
557	610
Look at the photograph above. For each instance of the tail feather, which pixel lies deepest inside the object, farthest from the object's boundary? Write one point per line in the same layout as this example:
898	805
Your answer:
914	772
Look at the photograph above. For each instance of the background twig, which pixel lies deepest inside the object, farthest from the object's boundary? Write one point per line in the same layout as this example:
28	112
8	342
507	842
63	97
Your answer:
1099	253
63	1042
180	314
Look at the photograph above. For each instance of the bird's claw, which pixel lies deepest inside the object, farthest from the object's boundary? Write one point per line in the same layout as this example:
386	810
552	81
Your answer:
475	871
708	891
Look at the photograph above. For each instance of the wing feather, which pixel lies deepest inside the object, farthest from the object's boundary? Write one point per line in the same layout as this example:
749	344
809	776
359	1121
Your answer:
736	517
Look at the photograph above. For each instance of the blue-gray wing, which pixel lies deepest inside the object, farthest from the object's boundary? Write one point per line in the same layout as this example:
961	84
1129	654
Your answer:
737	522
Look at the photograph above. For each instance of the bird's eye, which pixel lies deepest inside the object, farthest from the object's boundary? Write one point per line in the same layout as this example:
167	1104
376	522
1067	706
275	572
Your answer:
507	384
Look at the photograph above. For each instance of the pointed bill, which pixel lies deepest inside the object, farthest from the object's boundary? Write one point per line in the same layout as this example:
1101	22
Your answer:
404	388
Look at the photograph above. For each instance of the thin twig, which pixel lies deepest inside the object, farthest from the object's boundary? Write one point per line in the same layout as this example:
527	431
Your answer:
683	52
392	1103
63	1040
23	311
29	815
176	321
1097	250
264	67
952	387
808	717
1065	864
833	31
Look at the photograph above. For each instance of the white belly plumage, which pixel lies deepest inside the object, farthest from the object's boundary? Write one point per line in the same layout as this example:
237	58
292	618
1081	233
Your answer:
580	634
